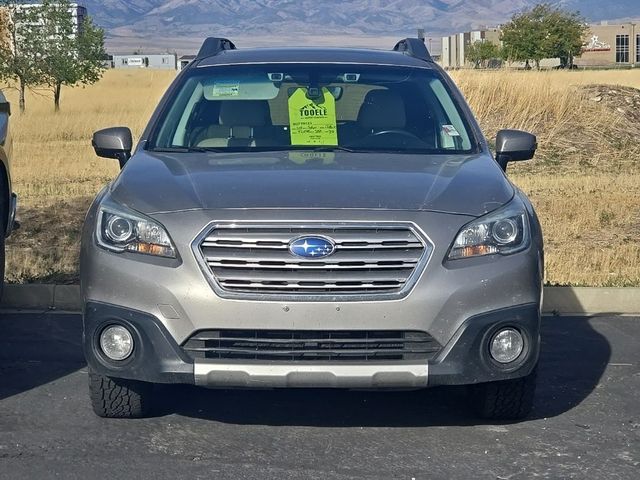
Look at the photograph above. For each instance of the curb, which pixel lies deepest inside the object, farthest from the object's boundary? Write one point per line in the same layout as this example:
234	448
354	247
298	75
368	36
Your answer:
591	300
42	297
557	300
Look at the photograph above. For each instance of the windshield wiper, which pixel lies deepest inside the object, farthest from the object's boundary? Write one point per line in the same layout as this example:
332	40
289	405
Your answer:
420	151
336	148
185	149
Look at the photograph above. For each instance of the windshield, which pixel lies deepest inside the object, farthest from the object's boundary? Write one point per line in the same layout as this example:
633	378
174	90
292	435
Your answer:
312	107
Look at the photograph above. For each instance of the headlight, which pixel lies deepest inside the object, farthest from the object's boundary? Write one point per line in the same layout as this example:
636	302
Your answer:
121	230
504	231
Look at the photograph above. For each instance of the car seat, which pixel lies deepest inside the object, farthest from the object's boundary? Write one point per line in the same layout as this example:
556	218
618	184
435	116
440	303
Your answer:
239	119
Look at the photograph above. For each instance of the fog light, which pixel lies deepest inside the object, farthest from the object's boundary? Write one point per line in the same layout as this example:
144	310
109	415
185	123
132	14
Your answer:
116	342
506	345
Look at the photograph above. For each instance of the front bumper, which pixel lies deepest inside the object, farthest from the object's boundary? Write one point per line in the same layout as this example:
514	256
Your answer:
463	360
166	301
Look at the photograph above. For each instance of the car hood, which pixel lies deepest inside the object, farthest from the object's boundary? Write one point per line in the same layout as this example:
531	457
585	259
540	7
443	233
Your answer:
167	182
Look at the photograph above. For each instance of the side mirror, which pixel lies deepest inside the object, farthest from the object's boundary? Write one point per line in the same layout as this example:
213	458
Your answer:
514	146
115	142
5	107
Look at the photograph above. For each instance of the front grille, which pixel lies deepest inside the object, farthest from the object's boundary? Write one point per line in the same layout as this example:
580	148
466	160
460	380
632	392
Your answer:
370	260
303	345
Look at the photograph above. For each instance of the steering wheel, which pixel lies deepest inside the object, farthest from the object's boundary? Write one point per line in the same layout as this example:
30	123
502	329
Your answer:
402	133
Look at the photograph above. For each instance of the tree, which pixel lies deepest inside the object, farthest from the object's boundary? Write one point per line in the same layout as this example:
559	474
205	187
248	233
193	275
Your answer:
566	31
4	26
71	55
20	59
544	32
481	52
523	38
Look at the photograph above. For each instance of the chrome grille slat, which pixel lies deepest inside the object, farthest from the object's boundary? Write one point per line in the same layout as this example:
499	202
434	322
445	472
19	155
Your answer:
369	259
286	236
396	245
319	266
339	246
245	245
302	345
338	257
294	286
225	275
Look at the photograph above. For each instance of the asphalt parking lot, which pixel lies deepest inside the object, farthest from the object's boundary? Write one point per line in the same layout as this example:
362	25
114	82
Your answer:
586	421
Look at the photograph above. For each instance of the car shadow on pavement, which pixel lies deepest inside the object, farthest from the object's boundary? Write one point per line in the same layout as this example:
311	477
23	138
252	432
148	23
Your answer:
36	349
573	359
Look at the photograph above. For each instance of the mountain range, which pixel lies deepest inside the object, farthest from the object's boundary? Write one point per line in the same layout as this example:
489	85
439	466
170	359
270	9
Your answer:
176	24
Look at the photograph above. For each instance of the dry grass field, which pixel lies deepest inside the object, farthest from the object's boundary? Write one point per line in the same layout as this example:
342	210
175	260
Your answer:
584	181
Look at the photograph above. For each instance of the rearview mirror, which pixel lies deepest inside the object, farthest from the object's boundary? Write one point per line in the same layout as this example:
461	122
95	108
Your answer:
115	142
514	146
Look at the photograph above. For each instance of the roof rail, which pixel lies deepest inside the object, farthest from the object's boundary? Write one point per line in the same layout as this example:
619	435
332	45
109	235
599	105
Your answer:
213	46
414	47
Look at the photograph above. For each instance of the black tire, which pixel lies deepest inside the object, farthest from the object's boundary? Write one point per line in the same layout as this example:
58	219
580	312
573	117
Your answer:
3	215
506	399
2	259
119	397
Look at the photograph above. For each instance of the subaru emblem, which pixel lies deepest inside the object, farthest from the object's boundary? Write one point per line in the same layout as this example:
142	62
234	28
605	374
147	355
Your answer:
312	247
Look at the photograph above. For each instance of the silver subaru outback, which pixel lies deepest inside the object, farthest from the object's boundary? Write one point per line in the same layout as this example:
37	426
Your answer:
315	218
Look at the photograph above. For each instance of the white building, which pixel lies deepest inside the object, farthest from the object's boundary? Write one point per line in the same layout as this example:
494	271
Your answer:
185	60
455	47
164	61
77	11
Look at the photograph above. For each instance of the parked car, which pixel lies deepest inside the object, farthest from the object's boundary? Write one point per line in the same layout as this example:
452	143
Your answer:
8	199
312	217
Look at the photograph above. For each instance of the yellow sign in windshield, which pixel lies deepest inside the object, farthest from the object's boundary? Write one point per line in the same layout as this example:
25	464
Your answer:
312	121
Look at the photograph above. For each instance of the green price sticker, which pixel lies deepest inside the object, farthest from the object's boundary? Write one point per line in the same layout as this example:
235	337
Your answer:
312	121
